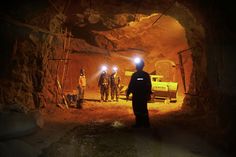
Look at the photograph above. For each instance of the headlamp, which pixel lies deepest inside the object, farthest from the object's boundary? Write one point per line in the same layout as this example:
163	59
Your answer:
115	68
137	60
104	68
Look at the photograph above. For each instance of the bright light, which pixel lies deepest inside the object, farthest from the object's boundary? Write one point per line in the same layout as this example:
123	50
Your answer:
104	68
115	68
137	60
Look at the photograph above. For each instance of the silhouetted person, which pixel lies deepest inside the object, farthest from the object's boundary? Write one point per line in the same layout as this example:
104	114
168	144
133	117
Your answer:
115	84
103	83
140	87
81	88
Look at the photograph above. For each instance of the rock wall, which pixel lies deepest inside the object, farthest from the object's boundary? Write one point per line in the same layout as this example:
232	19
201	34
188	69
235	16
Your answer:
25	81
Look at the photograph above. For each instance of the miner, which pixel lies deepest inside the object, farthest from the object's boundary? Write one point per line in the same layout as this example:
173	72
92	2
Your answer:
81	88
103	84
115	84
140	87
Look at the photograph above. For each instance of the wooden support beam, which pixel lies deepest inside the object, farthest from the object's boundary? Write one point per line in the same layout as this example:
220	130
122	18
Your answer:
67	6
66	63
181	66
54	6
65	40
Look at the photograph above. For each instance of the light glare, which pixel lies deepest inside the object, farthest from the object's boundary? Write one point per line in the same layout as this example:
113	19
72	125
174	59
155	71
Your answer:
104	68
115	68
137	60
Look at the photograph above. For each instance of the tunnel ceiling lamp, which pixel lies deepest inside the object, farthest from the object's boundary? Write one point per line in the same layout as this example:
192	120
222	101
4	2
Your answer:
115	68
137	60
104	68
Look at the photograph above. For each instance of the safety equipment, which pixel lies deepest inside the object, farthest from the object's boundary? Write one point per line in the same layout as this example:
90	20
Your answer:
104	68
137	60
115	69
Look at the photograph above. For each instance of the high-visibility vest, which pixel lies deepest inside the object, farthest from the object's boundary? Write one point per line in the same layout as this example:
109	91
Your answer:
82	81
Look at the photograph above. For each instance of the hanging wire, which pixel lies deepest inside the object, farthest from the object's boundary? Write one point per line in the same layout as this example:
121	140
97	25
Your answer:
164	12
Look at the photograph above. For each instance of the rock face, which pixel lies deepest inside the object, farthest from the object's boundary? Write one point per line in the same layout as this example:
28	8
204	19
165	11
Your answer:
109	31
28	46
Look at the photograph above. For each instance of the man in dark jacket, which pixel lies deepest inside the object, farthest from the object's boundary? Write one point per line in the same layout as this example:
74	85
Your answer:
103	83
115	84
140	87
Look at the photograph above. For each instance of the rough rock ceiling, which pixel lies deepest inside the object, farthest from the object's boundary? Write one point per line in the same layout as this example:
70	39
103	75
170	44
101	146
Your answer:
110	25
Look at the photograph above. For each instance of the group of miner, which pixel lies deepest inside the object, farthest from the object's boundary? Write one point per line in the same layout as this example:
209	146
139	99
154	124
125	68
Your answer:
106	83
139	85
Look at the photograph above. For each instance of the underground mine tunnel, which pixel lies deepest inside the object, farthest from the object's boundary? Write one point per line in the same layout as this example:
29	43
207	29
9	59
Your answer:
188	51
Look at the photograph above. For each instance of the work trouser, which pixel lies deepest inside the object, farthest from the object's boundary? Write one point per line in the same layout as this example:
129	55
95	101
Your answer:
114	92
140	110
80	96
81	90
104	91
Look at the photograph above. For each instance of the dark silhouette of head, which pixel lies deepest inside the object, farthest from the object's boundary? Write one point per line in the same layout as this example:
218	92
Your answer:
82	72
140	65
114	70
104	72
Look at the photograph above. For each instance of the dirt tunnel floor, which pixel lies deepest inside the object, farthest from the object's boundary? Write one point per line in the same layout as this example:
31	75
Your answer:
104	130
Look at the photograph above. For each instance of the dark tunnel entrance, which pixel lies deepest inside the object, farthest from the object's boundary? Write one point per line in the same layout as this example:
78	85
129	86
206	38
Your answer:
159	46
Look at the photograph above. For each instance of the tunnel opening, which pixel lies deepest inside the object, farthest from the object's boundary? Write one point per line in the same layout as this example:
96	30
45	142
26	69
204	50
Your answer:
155	41
86	37
155	44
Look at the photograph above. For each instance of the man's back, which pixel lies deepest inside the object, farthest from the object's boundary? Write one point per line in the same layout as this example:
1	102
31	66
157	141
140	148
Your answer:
141	88
115	79
104	79
140	84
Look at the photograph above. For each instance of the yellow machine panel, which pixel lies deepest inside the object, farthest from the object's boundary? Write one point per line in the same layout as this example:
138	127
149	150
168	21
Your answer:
165	90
